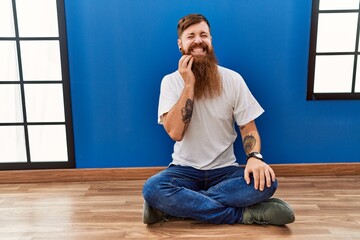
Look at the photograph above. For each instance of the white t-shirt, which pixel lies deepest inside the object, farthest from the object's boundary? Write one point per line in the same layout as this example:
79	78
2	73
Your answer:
208	141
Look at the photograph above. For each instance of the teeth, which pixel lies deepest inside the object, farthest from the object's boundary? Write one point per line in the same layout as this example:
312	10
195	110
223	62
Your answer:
198	50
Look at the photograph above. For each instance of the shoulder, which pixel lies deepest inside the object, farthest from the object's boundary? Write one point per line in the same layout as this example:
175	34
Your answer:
227	71
172	75
230	77
172	78
172	82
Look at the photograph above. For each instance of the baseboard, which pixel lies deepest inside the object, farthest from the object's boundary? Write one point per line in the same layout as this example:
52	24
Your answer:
117	174
319	169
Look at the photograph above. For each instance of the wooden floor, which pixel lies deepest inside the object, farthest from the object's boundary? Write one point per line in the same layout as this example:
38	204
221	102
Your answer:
325	207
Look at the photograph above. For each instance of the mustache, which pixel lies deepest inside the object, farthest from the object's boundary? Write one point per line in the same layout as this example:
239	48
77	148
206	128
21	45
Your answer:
198	45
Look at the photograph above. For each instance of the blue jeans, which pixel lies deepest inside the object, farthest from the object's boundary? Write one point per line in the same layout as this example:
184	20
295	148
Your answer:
213	196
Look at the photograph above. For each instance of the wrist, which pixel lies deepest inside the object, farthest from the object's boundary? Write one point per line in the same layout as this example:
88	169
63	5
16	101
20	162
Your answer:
189	84
256	155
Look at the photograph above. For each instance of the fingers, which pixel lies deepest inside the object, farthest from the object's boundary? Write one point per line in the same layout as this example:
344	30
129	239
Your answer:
263	176
186	61
247	176
256	177
190	63
185	64
273	177
262	180
268	178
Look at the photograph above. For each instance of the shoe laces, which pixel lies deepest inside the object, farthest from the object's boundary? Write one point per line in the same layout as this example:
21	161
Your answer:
258	216
168	218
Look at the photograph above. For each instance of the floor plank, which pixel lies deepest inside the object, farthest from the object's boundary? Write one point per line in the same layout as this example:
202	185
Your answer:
325	207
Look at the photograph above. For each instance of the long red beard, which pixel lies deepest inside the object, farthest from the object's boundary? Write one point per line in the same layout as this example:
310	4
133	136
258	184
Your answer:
205	69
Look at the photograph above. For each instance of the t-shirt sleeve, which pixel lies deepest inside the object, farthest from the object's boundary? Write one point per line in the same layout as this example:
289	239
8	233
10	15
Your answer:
168	97
246	107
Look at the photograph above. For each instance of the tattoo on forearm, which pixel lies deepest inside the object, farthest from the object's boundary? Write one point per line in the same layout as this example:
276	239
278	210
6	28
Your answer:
187	111
249	143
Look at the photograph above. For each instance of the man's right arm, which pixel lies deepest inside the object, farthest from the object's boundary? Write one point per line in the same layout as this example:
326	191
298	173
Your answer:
178	118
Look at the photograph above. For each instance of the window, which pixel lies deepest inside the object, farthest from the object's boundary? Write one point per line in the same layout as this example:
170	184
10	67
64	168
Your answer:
334	64
35	110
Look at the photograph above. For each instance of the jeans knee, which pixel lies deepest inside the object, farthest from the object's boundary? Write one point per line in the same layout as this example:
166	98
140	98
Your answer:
155	188
149	188
273	187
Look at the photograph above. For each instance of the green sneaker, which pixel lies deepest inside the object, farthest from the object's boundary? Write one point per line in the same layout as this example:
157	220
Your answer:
152	215
272	211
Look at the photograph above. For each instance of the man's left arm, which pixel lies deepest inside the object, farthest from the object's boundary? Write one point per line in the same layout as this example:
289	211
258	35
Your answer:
262	173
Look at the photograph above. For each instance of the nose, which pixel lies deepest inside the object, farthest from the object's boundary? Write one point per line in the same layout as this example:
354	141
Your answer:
197	40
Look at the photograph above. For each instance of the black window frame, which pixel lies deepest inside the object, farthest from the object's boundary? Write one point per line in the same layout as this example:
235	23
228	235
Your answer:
62	38
312	58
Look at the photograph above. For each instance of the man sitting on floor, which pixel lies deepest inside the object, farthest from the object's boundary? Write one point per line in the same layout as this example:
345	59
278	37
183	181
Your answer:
198	107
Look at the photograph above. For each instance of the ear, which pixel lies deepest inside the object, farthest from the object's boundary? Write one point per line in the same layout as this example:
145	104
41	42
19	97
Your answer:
179	43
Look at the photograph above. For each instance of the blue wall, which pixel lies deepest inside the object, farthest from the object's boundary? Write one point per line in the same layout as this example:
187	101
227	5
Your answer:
119	50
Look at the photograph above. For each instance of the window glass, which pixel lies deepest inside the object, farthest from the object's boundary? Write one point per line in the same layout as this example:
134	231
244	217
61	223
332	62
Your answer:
8	61
333	74
357	83
44	103
338	4
37	18
6	19
337	32
41	60
10	103
48	143
12	144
